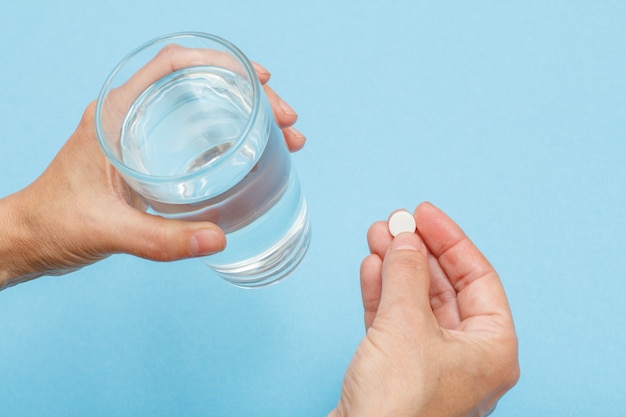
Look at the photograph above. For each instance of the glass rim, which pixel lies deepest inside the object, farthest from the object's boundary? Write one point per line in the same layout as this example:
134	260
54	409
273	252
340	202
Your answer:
119	164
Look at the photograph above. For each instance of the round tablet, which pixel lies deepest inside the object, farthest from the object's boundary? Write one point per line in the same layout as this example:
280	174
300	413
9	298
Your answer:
401	221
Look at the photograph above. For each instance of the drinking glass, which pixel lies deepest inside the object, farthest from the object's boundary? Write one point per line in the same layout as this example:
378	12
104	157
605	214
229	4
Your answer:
185	121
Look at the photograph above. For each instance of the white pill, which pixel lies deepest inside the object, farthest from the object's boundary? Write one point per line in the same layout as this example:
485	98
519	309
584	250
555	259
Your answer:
401	221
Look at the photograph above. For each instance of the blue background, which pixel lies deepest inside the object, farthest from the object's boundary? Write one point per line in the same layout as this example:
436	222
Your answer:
510	117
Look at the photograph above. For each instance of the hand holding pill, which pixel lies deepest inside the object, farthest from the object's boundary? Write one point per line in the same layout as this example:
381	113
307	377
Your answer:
439	327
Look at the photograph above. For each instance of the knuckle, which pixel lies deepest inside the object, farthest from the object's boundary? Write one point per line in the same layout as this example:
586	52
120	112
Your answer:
158	247
405	261
169	51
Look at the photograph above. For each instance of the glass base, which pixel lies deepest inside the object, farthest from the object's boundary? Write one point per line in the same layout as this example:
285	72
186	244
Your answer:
274	264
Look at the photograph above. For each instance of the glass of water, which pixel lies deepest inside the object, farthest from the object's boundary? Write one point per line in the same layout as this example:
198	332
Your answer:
185	121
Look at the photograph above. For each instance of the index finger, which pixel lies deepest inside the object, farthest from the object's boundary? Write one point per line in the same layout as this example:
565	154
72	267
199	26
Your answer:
478	287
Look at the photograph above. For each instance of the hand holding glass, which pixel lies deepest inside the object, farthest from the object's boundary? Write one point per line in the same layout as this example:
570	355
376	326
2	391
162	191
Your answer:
185	121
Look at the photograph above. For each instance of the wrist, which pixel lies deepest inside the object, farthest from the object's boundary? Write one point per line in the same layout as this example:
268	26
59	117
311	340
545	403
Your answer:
16	246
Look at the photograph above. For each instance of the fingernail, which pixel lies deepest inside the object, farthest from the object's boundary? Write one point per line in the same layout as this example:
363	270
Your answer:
206	242
406	241
260	69
299	135
295	139
286	108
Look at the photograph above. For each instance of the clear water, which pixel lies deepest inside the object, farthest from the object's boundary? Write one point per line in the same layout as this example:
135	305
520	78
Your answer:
184	122
188	122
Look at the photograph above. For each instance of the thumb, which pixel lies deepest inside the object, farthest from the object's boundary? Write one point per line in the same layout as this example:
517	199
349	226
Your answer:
405	278
159	239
